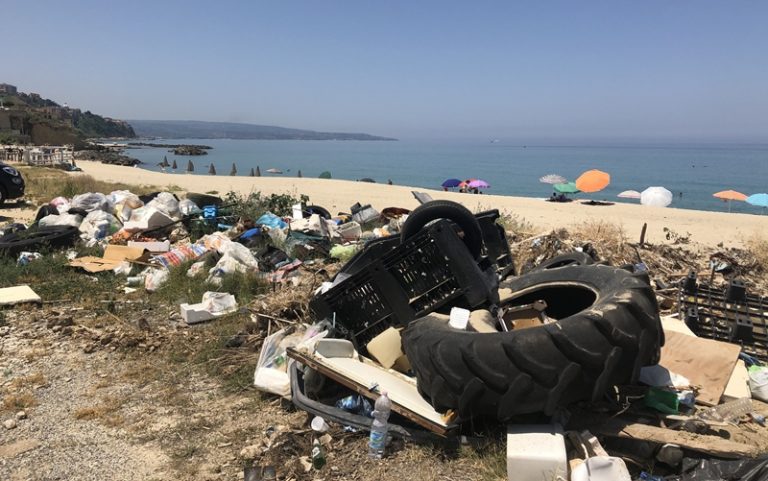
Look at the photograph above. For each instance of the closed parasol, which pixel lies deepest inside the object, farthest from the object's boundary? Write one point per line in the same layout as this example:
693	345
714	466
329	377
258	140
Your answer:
629	194
234	169
566	188
212	170
190	166
729	195
553	179
656	197
593	181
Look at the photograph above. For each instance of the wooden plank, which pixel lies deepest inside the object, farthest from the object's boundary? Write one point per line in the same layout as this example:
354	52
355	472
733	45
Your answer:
359	377
738	384
706	363
711	445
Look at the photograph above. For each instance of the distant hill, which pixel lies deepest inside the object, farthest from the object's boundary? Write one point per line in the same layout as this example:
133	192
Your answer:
30	118
193	129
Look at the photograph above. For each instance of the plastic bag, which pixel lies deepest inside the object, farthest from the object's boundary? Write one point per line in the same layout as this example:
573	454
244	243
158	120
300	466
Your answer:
272	221
195	269
146	218
219	303
271	371
187	207
99	224
155	278
720	470
73	220
758	382
27	257
91	201
124	203
180	255
166	203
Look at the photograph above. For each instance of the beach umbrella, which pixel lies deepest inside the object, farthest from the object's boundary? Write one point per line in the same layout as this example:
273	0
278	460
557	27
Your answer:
299	174
629	194
451	183
258	171
173	166
368	179
234	169
553	179
212	169
729	195
760	200
656	197
566	188
190	166
274	171
324	175
593	181
479	184
253	172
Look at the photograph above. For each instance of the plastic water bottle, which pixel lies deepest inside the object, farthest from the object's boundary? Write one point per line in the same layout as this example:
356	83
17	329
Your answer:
379	427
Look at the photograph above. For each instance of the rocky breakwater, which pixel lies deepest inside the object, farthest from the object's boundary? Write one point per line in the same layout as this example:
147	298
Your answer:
191	150
106	157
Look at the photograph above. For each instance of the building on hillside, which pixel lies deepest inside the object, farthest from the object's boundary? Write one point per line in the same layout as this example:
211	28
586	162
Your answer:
45	155
8	89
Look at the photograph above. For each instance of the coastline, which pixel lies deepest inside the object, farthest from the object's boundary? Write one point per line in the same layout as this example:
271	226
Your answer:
705	227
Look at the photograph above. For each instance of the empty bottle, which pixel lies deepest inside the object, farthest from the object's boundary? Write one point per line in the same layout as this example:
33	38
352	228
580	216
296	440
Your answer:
379	427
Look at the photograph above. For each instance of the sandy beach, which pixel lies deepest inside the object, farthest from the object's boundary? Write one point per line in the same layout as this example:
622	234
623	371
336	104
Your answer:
710	228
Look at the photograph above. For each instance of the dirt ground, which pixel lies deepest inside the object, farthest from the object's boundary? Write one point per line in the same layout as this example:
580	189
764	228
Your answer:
103	399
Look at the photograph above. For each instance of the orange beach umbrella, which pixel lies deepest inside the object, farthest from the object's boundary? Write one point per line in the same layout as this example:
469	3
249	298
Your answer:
593	181
729	195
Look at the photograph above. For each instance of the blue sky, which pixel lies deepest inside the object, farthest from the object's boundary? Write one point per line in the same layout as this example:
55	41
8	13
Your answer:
664	70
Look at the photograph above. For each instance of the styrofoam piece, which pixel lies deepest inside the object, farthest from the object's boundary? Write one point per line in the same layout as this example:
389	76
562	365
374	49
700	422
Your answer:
194	313
536	452
18	295
334	348
601	468
459	318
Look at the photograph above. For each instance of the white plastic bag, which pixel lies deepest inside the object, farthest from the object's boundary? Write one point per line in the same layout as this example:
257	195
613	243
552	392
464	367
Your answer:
155	278
187	207
219	303
73	220
99	224
166	203
91	201
236	258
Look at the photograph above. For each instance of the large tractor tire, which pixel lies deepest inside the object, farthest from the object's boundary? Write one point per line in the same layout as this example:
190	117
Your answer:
607	328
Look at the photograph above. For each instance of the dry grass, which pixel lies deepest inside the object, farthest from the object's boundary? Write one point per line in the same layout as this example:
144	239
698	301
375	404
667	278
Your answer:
610	239
106	412
17	401
757	245
29	381
43	184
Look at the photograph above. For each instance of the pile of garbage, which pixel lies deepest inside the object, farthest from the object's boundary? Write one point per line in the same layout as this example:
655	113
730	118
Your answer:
425	330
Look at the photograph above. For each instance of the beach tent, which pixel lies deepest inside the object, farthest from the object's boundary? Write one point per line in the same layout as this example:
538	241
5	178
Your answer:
730	195
593	181
553	179
324	175
656	197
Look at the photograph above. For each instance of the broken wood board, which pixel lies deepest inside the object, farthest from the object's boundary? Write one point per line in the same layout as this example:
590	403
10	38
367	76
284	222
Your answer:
706	363
361	377
18	295
711	445
738	384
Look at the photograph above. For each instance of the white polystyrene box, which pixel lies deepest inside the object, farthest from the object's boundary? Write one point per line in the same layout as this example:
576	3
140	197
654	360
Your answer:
536	452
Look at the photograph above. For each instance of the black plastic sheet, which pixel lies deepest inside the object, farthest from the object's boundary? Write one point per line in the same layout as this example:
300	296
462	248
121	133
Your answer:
720	470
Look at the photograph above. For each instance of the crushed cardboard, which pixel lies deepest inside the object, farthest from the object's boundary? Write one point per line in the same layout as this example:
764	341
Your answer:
114	255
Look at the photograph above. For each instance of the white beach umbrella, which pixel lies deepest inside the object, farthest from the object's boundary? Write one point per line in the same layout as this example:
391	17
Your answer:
553	179
629	194
656	197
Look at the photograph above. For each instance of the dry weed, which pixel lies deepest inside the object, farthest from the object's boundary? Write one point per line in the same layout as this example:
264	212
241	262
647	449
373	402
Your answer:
757	245
31	381
18	401
105	411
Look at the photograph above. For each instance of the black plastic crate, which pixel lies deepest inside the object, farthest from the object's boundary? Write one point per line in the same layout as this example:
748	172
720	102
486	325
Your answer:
416	278
495	242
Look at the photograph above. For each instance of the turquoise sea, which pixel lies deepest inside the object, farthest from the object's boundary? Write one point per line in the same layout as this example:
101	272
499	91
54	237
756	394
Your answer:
696	171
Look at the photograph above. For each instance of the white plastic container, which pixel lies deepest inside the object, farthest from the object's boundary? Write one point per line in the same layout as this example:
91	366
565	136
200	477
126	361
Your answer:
536	453
350	231
601	468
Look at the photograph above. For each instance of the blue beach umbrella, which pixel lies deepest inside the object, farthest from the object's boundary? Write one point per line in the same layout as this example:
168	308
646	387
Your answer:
451	183
760	200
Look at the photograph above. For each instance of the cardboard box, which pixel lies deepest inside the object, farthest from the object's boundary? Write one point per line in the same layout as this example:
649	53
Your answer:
113	257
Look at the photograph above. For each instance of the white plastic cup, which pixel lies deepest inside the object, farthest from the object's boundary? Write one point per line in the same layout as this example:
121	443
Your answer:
319	425
459	318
